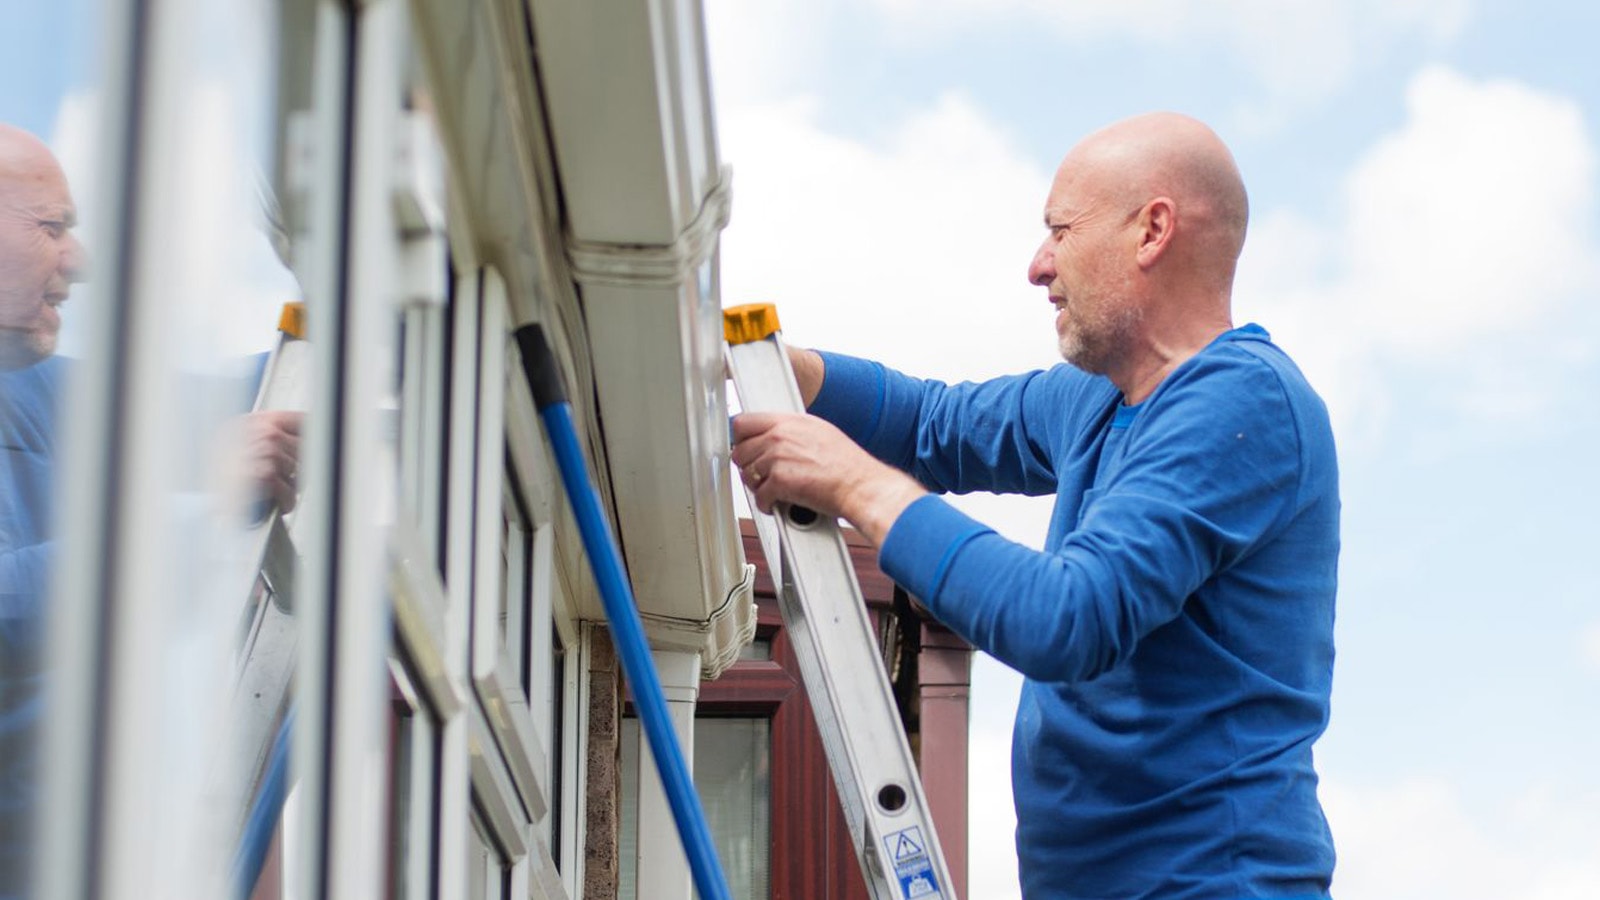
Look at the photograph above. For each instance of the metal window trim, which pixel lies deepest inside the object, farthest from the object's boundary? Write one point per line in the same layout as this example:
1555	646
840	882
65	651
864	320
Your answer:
504	701
79	629
575	754
351	627
455	790
526	449
419	608
422	405
494	793
505	710
516	550
424	761
541	629
326	144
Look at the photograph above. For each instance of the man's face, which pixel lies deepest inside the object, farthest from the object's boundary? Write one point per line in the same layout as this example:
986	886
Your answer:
1083	263
39	257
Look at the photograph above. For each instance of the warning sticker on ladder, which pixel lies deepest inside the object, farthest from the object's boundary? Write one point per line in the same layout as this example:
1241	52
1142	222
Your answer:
908	855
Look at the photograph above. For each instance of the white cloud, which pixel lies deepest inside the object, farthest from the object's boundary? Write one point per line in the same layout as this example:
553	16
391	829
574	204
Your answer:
915	250
1302	49
991	819
1472	217
763	49
1465	238
1589	646
1466	244
1422	839
991	816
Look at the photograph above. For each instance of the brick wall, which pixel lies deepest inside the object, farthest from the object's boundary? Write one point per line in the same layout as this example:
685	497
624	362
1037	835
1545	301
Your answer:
602	802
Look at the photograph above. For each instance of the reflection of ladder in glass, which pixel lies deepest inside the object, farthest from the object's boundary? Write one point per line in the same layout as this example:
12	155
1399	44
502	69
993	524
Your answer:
826	619
252	781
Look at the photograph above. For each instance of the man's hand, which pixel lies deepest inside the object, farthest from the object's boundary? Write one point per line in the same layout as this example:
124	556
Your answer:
791	458
272	455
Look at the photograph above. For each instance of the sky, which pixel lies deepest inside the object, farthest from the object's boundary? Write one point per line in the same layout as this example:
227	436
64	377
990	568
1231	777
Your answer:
1423	242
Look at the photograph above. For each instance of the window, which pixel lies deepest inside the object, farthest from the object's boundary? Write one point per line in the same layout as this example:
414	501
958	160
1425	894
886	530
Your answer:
413	777
733	776
741	720
487	876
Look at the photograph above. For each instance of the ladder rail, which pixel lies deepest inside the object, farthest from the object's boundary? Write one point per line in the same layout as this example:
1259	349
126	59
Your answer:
886	809
250	780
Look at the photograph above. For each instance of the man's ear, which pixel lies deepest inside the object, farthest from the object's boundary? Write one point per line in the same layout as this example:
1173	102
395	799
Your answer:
1157	222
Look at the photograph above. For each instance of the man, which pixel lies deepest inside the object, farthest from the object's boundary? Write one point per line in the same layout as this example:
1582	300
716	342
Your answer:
1176	633
40	259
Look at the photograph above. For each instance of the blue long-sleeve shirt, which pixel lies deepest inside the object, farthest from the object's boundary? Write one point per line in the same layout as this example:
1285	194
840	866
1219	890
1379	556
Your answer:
28	402
1177	630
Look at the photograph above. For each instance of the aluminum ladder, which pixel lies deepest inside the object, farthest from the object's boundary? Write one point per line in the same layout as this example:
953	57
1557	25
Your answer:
826	617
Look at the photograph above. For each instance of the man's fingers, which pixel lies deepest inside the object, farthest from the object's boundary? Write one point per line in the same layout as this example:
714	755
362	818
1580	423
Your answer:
751	424
766	497
273	454
288	421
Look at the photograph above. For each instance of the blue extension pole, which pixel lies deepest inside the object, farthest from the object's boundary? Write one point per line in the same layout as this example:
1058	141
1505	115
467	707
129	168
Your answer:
264	814
550	396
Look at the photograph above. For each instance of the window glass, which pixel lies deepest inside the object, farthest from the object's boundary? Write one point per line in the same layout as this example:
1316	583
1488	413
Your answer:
181	333
413	772
47	136
628	838
480	863
558	744
732	775
487	876
759	649
217	394
423	358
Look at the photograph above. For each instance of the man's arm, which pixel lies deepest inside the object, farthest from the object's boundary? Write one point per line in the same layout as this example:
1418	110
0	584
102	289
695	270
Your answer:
999	435
1210	481
924	428
1215	472
809	372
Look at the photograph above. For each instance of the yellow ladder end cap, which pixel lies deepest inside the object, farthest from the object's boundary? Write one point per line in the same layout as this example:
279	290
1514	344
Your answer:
292	321
750	322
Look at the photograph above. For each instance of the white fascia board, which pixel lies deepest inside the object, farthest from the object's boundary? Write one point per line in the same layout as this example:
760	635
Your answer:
658	373
629	109
655	324
629	103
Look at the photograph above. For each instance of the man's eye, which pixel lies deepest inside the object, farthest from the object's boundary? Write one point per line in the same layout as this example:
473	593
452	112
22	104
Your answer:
56	229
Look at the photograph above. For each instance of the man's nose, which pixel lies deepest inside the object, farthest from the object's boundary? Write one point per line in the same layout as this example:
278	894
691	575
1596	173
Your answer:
74	260
1042	270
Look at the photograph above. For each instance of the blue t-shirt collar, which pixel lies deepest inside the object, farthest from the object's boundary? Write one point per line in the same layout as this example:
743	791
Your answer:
1249	331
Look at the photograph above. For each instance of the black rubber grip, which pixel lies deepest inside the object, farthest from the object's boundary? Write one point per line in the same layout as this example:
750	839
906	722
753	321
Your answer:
539	365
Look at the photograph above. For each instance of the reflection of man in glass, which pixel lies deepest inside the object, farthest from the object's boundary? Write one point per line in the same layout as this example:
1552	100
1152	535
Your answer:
39	261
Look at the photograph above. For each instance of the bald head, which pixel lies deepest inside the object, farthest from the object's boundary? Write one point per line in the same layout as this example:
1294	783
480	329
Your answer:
1146	219
39	256
22	155
1173	155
